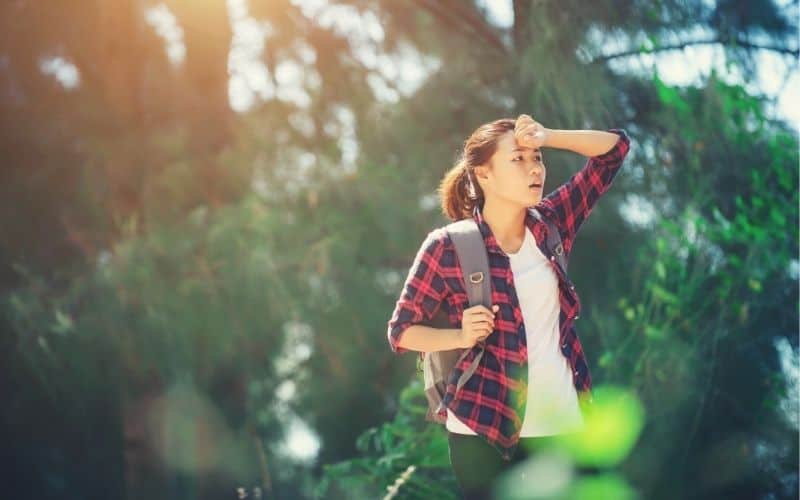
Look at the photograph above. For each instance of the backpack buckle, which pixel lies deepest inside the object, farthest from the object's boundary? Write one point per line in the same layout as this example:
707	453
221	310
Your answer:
559	249
476	277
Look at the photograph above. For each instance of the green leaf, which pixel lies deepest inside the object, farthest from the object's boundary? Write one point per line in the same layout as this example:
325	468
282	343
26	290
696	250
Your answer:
652	332
606	359
63	324
629	314
777	217
661	272
664	295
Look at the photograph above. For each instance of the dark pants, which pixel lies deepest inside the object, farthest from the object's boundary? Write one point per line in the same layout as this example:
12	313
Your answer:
476	464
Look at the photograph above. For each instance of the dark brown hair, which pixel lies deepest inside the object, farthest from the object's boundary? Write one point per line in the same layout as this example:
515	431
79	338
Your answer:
459	191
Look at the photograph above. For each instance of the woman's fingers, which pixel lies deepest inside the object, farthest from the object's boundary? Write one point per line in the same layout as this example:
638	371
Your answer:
482	308
532	136
484	322
529	129
483	332
478	312
480	321
524	119
483	318
488	324
526	136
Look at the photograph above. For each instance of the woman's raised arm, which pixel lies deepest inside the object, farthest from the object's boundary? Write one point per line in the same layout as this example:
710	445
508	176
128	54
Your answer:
573	201
586	142
531	133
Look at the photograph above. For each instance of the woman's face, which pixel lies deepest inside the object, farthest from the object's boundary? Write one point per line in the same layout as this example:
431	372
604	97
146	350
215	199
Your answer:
516	168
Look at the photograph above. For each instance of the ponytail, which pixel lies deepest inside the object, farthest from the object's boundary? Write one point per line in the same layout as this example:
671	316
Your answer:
457	193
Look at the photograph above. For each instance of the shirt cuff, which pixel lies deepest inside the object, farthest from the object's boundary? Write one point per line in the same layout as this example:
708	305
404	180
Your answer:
395	333
619	149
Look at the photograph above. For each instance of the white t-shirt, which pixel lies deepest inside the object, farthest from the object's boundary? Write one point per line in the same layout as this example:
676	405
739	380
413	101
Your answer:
552	402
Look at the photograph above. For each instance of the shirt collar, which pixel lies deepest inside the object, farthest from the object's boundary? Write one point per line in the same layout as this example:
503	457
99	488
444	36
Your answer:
486	231
488	237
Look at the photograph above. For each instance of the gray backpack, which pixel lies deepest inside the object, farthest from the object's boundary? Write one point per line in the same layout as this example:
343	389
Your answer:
437	366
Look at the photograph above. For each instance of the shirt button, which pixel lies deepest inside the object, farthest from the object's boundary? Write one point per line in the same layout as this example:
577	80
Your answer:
575	372
552	257
572	287
564	344
576	316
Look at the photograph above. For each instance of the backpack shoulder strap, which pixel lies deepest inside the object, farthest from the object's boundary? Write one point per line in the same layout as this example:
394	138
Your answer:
553	239
474	261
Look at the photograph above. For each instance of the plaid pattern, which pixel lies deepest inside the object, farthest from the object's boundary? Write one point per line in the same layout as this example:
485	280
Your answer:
492	401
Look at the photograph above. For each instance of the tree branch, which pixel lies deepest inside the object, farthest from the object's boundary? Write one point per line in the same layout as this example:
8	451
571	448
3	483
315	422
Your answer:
463	19
522	10
723	40
478	23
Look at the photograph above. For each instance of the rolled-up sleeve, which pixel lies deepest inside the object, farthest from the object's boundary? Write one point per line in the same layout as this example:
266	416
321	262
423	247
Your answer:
423	291
573	201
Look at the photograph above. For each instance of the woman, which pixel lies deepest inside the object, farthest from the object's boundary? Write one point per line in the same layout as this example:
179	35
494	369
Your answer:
533	378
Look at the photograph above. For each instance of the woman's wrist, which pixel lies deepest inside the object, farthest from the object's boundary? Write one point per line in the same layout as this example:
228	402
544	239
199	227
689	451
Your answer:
548	138
459	338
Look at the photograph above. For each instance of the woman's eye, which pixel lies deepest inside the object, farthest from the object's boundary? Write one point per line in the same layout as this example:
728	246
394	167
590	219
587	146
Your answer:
517	158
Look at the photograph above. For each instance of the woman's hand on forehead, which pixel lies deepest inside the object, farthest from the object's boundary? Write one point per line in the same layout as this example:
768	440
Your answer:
523	120
529	133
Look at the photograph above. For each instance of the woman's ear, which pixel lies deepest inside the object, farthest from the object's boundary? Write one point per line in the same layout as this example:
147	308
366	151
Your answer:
481	172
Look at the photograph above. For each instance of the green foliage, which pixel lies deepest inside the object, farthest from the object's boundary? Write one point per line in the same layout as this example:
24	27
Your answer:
710	280
415	451
386	451
159	244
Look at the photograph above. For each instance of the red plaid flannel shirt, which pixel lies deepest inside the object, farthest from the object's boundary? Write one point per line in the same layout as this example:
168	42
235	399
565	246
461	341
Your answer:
492	401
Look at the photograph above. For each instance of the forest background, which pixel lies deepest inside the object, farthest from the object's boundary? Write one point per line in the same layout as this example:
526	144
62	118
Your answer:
209	208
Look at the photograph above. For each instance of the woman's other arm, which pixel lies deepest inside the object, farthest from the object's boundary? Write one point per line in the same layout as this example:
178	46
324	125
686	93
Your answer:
477	323
422	296
428	339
